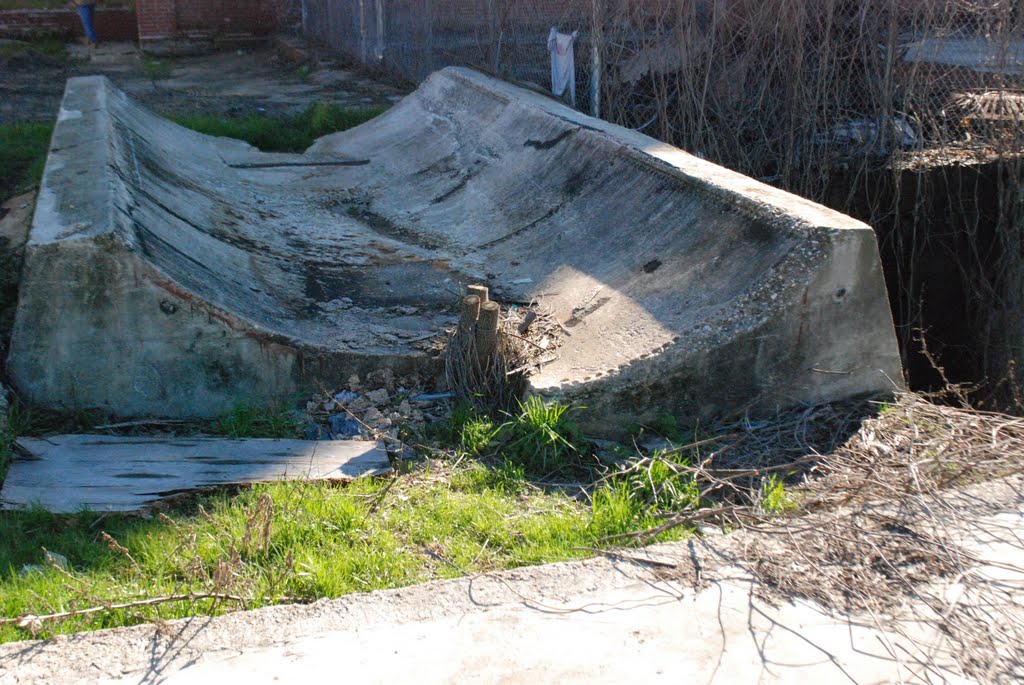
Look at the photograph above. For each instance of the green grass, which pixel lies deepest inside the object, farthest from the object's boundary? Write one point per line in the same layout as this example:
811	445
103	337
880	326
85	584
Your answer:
248	421
465	431
667	426
23	146
156	67
282	134
296	542
543	439
302	541
47	47
22	156
661	485
774	498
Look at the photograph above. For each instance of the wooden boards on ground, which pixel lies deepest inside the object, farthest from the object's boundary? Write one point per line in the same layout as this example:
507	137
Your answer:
68	473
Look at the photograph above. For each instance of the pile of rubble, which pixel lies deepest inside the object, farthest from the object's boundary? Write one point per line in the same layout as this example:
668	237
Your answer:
374	408
379	405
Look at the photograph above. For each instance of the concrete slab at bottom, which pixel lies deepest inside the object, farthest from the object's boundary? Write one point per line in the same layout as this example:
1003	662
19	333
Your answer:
642	633
600	620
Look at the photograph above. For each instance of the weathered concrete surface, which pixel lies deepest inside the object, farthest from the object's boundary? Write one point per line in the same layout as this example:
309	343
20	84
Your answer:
995	54
15	221
690	618
171	273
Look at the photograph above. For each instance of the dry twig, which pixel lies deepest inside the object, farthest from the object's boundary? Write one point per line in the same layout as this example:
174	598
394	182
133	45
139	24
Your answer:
870	520
30	620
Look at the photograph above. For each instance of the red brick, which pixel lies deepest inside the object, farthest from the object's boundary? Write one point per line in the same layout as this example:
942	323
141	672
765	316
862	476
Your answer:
112	23
218	20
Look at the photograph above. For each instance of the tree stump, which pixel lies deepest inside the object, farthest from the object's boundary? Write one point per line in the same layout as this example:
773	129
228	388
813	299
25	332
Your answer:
468	314
479	290
487	332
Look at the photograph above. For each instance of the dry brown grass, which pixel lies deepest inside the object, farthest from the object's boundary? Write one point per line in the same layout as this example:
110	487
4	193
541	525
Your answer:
876	519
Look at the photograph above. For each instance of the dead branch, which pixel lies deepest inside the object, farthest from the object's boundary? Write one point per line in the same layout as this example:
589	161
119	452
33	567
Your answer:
29	619
868	517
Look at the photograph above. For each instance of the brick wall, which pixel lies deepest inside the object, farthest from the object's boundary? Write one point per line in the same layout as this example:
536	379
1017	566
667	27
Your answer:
112	23
185	25
157	20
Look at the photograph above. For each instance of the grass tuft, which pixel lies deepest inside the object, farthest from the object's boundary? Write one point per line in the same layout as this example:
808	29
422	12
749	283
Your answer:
543	439
292	133
249	421
466	431
773	496
661	485
156	68
22	156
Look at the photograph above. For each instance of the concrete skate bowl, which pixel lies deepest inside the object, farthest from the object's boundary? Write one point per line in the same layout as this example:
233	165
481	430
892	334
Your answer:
174	274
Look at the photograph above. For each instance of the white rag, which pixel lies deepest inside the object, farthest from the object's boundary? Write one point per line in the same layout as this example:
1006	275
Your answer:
563	65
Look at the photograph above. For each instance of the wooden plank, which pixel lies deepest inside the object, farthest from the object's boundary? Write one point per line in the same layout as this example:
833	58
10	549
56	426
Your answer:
68	473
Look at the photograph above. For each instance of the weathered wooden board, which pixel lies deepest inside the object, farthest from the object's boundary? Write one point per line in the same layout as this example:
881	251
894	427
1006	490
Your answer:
67	473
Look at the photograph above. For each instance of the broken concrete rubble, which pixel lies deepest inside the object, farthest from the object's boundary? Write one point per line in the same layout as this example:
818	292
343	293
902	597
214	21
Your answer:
190	272
371	415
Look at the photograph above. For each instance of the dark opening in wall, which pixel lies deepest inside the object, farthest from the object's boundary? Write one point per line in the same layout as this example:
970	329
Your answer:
946	234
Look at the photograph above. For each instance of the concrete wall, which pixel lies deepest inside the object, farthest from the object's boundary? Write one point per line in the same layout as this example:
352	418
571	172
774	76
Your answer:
189	273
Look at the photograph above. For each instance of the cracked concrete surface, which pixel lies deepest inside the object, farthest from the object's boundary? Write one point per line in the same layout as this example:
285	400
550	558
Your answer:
204	272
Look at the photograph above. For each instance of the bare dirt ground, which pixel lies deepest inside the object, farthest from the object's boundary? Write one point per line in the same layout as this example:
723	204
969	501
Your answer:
236	83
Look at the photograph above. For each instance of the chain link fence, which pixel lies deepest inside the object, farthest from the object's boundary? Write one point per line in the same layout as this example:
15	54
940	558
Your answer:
777	89
416	37
905	113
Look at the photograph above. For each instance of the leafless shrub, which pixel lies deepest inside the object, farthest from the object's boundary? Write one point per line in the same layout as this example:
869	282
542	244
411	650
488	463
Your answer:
875	519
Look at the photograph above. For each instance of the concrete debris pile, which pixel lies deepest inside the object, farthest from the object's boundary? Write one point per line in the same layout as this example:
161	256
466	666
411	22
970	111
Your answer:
374	407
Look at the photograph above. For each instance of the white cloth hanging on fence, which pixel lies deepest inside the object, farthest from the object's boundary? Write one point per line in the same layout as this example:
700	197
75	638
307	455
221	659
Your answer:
563	65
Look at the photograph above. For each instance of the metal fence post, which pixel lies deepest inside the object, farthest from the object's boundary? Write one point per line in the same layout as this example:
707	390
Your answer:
379	11
595	60
362	32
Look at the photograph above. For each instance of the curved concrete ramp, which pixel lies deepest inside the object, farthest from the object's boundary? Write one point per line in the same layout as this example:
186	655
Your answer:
172	273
